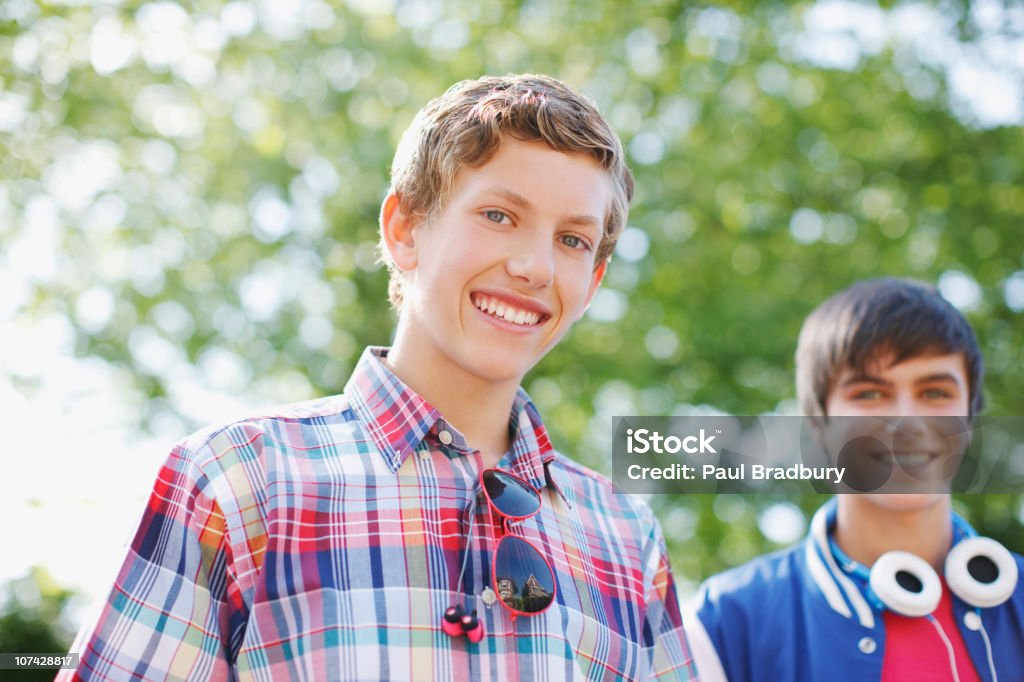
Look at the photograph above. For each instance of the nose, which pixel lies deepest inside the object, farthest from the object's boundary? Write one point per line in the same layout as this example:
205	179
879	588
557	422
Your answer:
910	415
909	405
533	264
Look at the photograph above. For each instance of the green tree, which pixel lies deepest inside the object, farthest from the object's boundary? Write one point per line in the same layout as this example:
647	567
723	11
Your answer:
30	620
211	174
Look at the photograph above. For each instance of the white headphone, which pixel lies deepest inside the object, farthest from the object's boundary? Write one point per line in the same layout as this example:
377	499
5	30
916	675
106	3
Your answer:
978	570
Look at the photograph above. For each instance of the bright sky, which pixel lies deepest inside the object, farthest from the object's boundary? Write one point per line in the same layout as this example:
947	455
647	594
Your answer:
77	474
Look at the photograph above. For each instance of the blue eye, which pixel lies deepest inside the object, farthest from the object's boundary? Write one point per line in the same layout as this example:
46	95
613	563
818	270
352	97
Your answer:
496	216
575	242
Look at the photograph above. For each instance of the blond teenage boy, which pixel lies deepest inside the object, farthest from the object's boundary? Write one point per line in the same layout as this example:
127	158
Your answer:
889	587
420	525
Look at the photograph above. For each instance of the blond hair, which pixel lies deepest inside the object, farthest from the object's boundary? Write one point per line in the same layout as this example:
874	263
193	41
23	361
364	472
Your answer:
464	127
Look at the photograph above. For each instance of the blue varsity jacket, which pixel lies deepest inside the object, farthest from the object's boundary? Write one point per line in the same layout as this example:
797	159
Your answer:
795	615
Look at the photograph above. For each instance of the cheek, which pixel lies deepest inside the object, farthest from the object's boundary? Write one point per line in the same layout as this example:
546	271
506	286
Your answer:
962	407
574	284
453	261
575	301
836	406
842	431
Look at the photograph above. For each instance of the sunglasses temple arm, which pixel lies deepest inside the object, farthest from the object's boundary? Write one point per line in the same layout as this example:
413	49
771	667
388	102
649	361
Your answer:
469	541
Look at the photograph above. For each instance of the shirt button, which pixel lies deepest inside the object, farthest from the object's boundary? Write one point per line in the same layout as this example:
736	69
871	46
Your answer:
445	437
867	645
972	620
424	455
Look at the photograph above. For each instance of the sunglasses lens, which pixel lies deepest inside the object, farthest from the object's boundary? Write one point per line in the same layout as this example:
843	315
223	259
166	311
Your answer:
523	579
509	495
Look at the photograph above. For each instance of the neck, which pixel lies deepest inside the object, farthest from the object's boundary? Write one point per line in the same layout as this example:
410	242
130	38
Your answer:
866	529
478	408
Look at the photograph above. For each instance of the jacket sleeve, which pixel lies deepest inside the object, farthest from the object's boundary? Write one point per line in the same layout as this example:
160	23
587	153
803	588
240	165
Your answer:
704	644
668	648
175	610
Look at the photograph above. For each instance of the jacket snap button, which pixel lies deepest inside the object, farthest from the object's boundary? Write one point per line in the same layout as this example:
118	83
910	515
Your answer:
867	645
445	437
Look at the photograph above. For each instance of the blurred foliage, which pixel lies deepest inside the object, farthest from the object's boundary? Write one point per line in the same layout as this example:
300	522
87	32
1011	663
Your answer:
211	176
30	621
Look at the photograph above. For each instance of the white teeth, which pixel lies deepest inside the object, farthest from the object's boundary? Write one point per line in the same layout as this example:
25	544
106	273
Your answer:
504	311
909	459
916	459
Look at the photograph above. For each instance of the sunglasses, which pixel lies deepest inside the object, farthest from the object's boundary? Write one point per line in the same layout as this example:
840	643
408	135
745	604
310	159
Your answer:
522	577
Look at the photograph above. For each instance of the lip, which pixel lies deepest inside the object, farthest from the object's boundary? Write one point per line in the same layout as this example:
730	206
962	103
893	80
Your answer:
513	300
915	459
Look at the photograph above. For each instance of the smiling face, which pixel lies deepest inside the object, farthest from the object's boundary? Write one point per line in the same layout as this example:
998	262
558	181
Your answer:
911	424
497	277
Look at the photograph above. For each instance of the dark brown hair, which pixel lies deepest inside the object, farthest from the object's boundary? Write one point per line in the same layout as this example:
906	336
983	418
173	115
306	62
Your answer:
881	317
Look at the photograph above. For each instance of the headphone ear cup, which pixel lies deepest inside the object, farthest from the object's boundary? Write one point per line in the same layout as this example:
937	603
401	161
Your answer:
451	623
906	584
473	628
981	572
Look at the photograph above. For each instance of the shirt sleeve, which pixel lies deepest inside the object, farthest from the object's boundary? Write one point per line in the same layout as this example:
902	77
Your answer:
669	651
175	610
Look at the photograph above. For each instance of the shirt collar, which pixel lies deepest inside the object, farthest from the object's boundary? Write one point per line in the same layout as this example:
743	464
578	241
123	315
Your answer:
531	449
396	416
398	419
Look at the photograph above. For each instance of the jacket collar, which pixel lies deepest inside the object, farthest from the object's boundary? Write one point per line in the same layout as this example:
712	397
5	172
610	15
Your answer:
840	591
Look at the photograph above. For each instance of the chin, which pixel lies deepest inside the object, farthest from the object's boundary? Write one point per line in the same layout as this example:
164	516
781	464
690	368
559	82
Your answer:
498	367
904	502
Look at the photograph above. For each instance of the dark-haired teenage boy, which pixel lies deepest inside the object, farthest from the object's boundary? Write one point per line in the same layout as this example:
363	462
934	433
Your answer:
886	586
348	538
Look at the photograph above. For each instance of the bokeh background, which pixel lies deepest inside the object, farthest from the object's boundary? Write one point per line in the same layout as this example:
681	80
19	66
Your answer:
189	194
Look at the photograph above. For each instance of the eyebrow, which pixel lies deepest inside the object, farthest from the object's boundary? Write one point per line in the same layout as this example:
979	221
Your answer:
930	379
522	202
513	197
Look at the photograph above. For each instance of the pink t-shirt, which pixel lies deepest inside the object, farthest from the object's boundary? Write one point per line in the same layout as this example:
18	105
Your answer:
914	650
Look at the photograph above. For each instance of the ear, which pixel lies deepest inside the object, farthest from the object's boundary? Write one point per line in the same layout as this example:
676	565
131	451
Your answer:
595	282
396	229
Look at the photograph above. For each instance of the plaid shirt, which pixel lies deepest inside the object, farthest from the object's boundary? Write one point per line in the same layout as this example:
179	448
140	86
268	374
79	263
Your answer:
324	542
